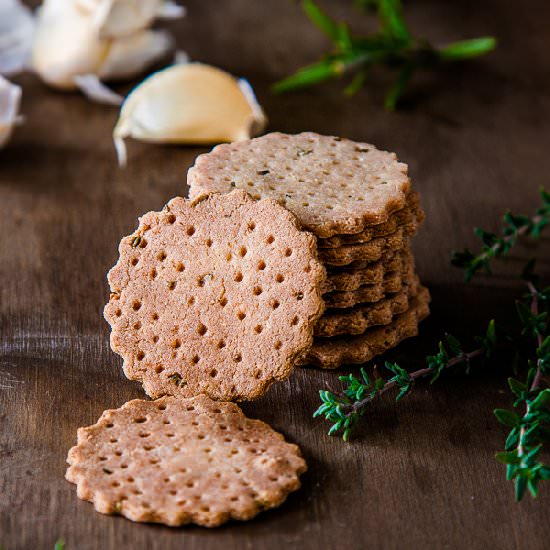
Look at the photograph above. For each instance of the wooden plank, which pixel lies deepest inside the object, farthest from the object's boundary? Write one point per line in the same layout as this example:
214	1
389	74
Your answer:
421	473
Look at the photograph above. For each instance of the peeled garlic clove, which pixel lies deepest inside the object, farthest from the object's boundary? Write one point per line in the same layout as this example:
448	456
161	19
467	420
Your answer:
118	18
66	44
10	99
189	103
16	32
132	54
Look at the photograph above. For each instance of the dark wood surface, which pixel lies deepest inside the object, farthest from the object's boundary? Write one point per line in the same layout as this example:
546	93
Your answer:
419	474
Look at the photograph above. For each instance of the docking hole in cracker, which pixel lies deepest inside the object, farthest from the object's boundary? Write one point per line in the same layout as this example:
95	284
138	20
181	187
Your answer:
179	461
218	295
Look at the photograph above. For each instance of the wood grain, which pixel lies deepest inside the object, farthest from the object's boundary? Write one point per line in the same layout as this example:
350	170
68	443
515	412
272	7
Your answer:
421	473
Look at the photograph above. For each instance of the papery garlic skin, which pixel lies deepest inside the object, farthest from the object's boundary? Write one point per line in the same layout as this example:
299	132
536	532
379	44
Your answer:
118	18
16	34
70	40
10	100
190	103
132	54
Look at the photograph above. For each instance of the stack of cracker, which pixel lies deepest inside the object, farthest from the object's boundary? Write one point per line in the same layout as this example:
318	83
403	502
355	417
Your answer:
215	299
359	203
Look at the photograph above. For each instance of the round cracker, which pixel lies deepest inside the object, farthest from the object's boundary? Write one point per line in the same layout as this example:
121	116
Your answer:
218	296
333	185
370	251
392	282
374	272
358	319
178	461
411	216
332	353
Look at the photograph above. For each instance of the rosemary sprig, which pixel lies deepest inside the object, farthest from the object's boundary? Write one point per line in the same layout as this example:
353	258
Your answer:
496	246
393	46
346	408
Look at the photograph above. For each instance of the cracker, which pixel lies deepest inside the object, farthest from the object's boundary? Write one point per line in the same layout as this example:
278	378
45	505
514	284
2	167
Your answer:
178	461
360	318
374	272
371	251
218	296
331	353
364	264
392	282
412	216
333	185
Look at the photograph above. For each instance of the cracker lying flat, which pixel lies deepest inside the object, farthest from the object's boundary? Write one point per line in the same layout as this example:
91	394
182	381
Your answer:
360	318
216	296
412	216
371	251
365	264
331	353
392	282
333	185
178	461
374	272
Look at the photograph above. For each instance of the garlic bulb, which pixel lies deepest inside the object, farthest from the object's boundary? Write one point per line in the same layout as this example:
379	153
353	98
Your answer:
189	103
10	98
105	38
16	32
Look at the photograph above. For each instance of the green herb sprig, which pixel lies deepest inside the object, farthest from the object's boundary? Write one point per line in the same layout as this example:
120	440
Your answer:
496	246
345	409
393	46
531	430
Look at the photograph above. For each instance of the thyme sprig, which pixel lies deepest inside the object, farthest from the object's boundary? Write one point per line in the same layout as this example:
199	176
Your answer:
531	430
496	246
345	409
392	45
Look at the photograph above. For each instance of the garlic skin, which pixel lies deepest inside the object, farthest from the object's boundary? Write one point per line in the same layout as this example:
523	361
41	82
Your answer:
132	54
118	18
16	34
10	99
190	103
106	38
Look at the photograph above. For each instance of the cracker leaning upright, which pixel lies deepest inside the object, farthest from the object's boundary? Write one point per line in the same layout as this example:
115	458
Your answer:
333	185
218	295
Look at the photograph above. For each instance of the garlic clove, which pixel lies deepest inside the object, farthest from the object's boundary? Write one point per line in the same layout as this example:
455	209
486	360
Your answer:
10	99
131	55
16	32
66	44
68	49
190	103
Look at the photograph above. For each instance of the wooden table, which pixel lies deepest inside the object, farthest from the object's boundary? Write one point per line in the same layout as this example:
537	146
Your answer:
420	473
